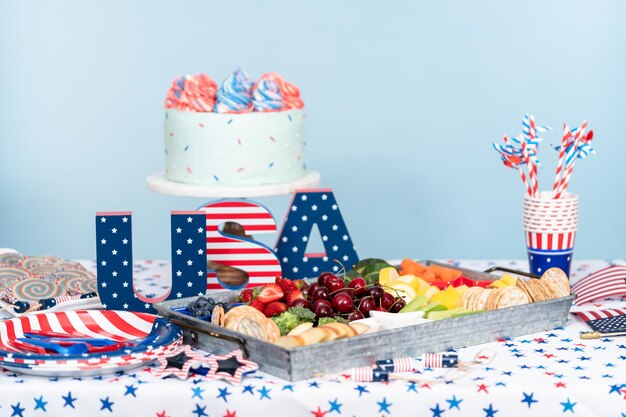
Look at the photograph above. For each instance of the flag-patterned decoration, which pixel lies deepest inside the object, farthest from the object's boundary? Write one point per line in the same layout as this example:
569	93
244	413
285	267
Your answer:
132	339
308	208
232	367
604	283
550	241
609	324
600	314
255	258
550	250
180	363
605	321
440	360
114	249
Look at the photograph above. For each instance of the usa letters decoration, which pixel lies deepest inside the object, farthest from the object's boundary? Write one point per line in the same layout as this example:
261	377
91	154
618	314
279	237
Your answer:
228	251
114	254
212	249
310	207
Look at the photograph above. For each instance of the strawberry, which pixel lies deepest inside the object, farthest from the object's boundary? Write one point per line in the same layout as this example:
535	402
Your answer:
293	296
299	283
285	284
269	293
274	309
259	305
246	295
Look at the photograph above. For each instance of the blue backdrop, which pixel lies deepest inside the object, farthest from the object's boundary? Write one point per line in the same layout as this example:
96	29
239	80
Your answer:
403	100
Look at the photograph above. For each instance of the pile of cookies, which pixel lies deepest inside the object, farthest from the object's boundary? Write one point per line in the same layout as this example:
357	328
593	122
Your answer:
553	284
306	334
247	320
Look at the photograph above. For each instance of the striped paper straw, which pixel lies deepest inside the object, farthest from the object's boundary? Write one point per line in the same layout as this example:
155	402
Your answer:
532	154
570	160
532	170
567	134
532	129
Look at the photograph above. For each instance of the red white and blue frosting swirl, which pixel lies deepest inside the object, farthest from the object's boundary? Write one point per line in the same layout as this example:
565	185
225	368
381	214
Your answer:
192	93
273	93
267	96
237	94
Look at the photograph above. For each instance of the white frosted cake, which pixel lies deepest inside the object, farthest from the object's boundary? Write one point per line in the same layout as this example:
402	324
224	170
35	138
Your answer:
241	134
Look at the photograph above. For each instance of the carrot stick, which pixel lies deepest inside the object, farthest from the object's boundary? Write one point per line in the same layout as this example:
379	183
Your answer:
410	267
445	274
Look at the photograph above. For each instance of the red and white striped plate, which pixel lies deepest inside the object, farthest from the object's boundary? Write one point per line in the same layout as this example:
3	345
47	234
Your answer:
152	336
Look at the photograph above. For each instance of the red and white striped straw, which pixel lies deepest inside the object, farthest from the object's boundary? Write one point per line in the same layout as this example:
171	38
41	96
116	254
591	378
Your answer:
570	168
567	134
565	180
533	167
532	131
534	179
532	170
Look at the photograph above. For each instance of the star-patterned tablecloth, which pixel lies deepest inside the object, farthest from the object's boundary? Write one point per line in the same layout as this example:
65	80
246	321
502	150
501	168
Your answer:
551	373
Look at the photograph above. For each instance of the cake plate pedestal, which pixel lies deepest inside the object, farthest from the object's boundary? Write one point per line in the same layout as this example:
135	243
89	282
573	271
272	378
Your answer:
158	183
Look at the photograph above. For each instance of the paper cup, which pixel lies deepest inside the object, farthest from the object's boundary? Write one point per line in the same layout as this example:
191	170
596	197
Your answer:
556	225
550	210
544	199
551	216
548	250
565	212
550	222
550	228
542	229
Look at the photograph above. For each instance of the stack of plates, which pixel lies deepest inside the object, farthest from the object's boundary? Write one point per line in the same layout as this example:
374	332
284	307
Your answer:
145	337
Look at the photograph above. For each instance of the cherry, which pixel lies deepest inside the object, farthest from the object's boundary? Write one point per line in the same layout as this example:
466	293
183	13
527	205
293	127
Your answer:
376	292
334	284
366	305
305	290
301	302
342	303
355	315
321	280
358	284
323	308
397	305
387	301
311	288
344	291
320	293
380	309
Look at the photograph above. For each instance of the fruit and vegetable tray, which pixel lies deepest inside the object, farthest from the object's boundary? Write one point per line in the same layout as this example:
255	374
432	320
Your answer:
297	329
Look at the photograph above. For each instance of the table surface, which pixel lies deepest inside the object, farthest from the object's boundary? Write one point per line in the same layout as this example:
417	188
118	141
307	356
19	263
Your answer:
548	373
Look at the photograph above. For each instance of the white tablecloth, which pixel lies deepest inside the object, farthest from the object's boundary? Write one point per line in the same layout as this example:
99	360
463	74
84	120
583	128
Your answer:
548	373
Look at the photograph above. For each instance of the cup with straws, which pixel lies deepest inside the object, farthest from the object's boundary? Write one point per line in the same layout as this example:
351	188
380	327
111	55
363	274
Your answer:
550	218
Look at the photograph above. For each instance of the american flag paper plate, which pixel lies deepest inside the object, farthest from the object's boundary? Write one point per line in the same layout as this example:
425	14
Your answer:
142	338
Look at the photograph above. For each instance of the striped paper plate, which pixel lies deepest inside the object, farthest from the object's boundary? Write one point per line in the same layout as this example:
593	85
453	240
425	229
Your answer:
148	337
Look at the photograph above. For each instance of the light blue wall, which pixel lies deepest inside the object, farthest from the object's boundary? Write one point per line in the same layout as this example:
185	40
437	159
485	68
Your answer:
403	100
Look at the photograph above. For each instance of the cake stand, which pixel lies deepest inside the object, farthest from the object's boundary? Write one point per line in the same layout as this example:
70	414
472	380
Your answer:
158	183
